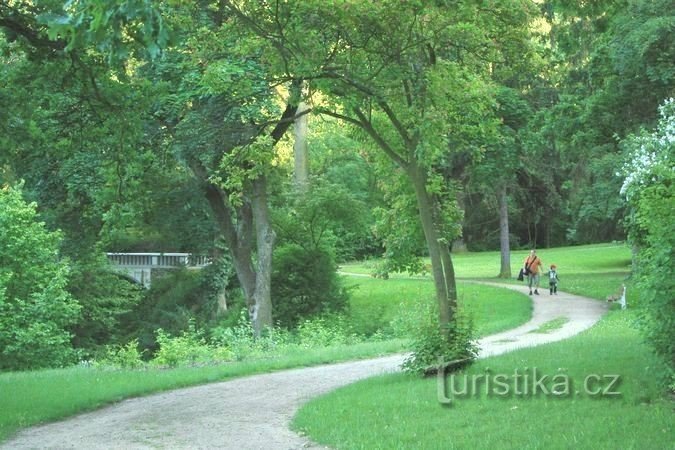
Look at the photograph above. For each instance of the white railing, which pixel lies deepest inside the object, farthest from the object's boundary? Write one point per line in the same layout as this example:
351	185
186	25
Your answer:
139	266
158	260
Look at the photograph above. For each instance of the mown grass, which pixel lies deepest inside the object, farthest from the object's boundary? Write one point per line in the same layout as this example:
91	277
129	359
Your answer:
375	303
402	411
551	325
597	258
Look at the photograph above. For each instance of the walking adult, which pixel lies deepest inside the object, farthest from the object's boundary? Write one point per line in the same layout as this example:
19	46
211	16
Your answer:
533	267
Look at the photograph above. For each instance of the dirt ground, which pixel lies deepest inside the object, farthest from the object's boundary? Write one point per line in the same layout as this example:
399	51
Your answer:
254	412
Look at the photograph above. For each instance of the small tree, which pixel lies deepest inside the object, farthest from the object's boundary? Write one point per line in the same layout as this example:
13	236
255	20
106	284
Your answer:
649	188
35	308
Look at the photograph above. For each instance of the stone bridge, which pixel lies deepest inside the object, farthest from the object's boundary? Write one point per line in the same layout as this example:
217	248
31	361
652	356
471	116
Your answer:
139	266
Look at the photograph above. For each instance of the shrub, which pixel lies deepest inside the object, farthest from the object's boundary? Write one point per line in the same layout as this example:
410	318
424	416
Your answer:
176	297
122	356
324	332
239	339
431	347
304	284
187	349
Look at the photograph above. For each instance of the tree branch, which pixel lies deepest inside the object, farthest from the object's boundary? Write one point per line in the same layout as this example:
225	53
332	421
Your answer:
379	140
24	26
288	116
394	121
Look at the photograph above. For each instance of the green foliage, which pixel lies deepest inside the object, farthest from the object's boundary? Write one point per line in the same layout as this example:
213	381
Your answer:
178	296
609	66
649	188
325	331
35	308
329	216
189	348
433	346
239	338
106	299
304	284
243	164
121	356
397	224
115	27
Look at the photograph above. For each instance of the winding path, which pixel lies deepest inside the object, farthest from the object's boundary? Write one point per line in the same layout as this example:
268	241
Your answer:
254	412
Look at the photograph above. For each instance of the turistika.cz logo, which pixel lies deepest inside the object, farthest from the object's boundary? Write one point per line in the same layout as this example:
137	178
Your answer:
523	383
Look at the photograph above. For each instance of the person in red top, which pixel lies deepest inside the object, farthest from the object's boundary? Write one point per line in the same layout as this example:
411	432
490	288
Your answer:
533	266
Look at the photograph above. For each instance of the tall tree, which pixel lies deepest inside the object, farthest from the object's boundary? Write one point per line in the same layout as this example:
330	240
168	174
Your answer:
412	76
219	111
300	149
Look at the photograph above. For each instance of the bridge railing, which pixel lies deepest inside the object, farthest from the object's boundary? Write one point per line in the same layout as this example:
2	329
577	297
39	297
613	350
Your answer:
158	260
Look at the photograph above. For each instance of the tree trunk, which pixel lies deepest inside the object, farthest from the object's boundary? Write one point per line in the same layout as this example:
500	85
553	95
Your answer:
441	262
238	234
238	237
239	224
261	311
300	151
505	269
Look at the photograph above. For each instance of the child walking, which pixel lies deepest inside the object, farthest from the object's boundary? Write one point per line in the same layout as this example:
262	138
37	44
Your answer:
553	280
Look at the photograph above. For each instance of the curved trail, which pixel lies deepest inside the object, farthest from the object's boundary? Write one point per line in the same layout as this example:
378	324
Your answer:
254	412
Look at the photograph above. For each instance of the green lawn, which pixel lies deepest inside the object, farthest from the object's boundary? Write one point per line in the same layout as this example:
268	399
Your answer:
597	258
402	411
375	303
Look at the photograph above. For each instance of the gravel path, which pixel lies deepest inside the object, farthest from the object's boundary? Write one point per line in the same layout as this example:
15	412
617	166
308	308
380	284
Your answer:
254	412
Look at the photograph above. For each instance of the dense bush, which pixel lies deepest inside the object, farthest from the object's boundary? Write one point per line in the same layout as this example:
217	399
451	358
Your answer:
35	308
304	284
649	188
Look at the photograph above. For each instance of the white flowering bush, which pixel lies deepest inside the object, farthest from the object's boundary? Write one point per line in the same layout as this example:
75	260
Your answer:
649	189
650	155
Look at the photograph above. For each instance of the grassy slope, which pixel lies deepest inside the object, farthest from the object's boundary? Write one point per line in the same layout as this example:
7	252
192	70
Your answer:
400	411
375	303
